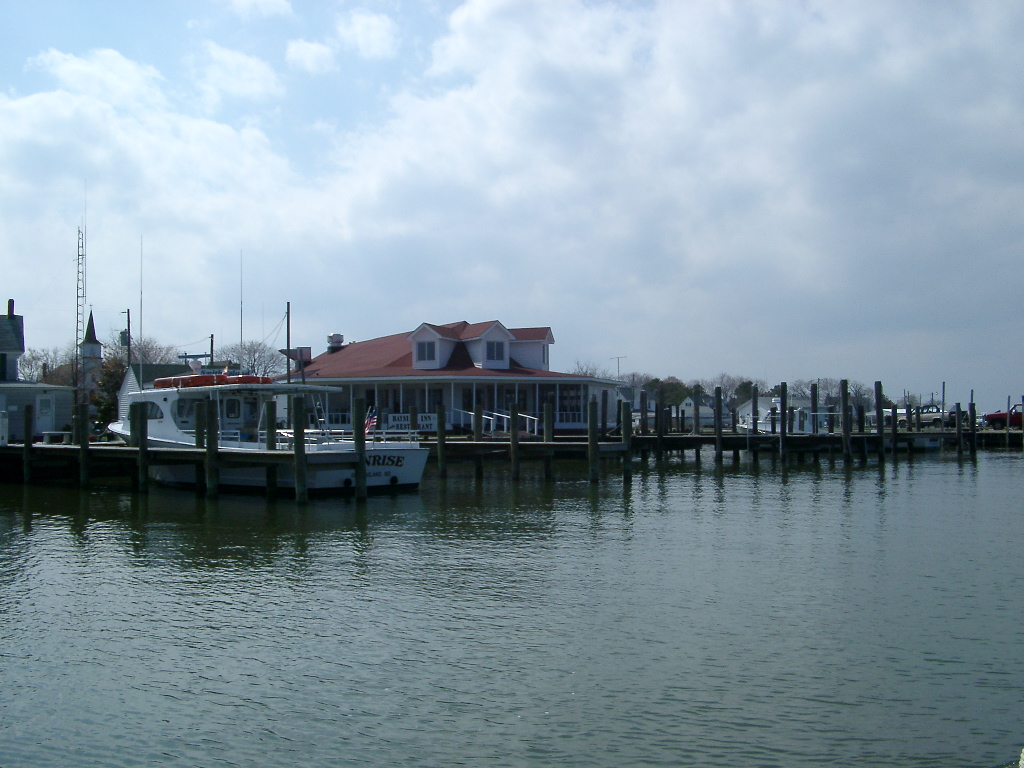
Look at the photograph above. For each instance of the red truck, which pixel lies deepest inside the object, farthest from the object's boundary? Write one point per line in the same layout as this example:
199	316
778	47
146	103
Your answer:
1000	419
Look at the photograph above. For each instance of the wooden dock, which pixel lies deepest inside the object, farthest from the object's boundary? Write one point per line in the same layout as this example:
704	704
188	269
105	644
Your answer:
86	460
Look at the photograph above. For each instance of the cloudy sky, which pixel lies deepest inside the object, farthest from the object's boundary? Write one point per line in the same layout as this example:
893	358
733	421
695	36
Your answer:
782	190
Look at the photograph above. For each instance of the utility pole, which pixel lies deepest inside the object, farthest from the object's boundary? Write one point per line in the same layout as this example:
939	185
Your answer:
618	371
126	338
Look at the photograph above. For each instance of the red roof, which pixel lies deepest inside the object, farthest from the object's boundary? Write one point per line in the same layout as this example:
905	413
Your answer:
391	356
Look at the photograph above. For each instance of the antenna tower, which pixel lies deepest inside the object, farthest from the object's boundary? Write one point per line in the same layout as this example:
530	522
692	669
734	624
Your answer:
80	328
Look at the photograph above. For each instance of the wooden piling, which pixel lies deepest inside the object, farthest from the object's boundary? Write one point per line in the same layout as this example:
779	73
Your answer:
861	425
718	425
627	438
478	435
643	412
200	440
442	457
593	457
659	426
414	420
513	439
549	437
270	443
973	428
879	420
200	436
298	419
894	431
604	414
814	412
143	455
478	422
359	441
755	415
211	466
28	426
960	431
133	424
82	427
784	408
844	401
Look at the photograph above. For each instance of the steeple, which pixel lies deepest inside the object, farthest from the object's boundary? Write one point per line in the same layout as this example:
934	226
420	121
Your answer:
92	357
90	333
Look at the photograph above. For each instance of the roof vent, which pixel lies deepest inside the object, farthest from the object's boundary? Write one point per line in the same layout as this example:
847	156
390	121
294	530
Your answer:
335	342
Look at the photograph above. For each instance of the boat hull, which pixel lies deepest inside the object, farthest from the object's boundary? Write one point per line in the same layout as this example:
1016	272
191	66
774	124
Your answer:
398	468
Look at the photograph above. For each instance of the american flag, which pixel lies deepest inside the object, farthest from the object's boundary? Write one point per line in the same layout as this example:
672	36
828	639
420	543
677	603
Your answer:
371	421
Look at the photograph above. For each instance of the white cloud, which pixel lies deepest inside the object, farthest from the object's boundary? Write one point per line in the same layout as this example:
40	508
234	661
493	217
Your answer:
371	35
314	58
694	183
105	75
737	161
238	75
260	8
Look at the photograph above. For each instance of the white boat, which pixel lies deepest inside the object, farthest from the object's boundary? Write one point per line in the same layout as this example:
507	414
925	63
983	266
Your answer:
802	421
171	423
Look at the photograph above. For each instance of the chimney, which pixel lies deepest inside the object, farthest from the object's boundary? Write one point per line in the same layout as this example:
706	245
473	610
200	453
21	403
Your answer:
10	307
335	342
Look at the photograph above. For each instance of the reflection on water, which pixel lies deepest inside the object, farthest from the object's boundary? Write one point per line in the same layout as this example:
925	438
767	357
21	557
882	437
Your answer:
700	615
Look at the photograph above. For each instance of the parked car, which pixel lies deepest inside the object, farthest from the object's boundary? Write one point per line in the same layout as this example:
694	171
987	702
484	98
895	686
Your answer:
931	415
1000	419
965	418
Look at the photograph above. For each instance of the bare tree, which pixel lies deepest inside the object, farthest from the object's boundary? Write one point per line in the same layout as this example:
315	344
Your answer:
255	358
828	388
635	379
861	394
144	350
745	390
591	369
726	381
36	364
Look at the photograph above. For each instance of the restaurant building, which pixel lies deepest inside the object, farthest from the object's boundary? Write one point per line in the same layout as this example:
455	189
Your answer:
457	365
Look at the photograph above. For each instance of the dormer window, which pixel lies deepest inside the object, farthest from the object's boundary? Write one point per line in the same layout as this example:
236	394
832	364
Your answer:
495	350
426	351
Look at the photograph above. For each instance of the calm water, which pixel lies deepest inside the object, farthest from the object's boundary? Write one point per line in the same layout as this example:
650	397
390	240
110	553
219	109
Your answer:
870	617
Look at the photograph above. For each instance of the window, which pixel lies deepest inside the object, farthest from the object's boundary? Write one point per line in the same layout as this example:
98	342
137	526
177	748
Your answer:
425	351
495	350
153	411
544	354
231	408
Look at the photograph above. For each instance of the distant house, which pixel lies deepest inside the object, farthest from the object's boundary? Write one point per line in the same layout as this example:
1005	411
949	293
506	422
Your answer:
800	409
141	376
12	343
706	406
458	365
51	405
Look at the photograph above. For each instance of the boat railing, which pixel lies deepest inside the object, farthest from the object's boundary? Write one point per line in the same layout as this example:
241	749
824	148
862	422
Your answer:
504	418
231	438
311	437
465	420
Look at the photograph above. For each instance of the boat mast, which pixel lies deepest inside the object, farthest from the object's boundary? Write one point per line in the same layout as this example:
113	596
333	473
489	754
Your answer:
80	393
